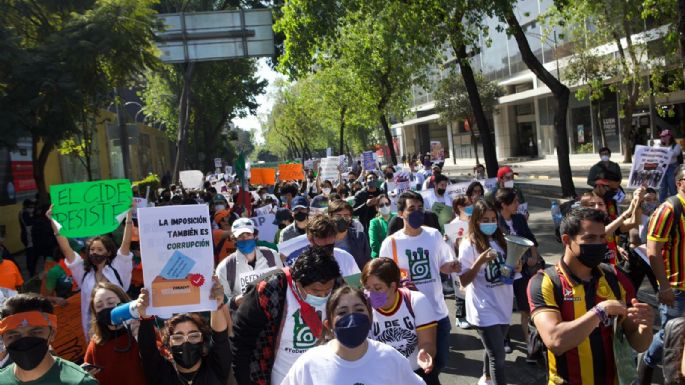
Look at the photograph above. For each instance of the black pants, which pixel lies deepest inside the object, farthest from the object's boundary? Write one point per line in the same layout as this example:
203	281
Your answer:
430	378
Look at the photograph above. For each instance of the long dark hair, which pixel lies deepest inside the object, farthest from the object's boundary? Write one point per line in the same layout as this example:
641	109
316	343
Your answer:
201	324
477	238
109	245
101	334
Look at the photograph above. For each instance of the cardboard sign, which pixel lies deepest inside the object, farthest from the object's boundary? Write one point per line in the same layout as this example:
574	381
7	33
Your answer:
265	225
489	184
228	170
263	176
292	248
70	343
437	152
218	162
367	160
329	169
90	208
191	179
178	254
649	166
292	171
248	277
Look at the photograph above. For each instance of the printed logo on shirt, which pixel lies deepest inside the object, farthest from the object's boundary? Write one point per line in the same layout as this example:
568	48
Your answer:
303	338
398	334
568	296
493	272
419	264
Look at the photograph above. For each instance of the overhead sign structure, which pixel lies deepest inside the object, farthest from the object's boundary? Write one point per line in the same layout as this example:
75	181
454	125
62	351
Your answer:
218	35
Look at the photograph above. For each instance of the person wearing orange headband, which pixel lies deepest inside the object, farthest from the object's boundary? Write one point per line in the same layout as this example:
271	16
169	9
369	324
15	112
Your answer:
27	327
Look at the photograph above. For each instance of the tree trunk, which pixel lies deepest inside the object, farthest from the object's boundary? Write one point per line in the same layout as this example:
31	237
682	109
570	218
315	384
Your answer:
489	152
561	94
183	112
388	137
40	158
598	119
627	130
343	110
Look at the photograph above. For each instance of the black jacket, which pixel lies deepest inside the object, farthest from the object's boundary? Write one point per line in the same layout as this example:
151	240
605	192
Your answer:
358	246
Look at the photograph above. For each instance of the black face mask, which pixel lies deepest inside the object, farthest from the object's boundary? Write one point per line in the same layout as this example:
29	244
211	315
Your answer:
104	317
97	259
28	352
388	176
300	216
328	249
341	224
282	226
440	191
591	255
187	354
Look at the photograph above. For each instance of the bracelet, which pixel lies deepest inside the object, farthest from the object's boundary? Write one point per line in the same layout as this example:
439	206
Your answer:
602	315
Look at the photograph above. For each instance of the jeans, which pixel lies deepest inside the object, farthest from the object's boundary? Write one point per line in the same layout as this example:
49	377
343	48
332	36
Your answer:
442	344
652	356
667	186
494	356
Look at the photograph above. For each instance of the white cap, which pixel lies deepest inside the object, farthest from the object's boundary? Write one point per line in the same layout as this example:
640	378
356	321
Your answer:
241	226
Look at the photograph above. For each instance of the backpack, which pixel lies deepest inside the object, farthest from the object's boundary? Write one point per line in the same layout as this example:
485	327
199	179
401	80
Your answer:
231	264
674	337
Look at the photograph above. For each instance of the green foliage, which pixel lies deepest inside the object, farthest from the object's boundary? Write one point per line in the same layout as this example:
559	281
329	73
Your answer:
452	100
584	148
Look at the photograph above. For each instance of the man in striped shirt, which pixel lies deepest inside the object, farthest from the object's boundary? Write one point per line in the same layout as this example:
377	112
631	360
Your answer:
574	303
666	251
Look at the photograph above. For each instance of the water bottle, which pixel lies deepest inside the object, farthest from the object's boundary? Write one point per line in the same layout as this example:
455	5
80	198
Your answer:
124	312
556	213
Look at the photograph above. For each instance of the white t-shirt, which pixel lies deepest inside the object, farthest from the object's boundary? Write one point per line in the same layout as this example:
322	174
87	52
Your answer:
398	327
380	365
421	257
346	261
433	198
488	300
296	337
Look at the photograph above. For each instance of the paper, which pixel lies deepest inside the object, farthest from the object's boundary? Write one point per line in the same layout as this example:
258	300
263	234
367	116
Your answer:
263	176
292	248
90	208
265	224
191	179
178	255
292	171
649	166
456	230
218	162
330	170
367	160
248	277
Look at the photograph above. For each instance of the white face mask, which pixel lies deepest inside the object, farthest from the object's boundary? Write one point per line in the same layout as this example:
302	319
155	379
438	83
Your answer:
219	207
509	184
326	190
384	210
604	158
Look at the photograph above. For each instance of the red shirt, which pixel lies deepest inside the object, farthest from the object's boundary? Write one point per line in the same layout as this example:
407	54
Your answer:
117	367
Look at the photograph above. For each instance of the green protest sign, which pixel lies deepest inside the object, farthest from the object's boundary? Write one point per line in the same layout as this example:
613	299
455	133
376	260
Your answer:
90	208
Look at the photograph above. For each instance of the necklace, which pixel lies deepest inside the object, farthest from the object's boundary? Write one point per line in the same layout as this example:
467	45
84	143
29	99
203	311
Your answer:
184	377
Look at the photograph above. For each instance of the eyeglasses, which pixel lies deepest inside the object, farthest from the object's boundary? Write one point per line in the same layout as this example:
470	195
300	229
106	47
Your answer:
179	339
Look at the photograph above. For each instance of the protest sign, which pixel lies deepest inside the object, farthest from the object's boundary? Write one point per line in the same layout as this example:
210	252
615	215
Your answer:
178	255
191	179
437	152
265	176
329	169
140	202
228	170
69	342
291	171
444	213
456	230
649	166
6	294
248	277
367	160
265	224
264	210
90	208
292	248
523	208
488	184
457	189
218	162
309	164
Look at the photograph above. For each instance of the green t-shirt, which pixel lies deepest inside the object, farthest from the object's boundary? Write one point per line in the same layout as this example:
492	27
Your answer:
58	280
62	372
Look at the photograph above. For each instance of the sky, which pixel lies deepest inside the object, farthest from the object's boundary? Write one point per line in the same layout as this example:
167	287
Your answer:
265	101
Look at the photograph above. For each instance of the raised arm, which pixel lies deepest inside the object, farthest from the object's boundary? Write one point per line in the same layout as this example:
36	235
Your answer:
63	242
128	229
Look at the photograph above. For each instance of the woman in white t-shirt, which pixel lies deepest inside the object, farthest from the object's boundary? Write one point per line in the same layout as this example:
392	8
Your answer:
402	318
463	208
350	357
482	254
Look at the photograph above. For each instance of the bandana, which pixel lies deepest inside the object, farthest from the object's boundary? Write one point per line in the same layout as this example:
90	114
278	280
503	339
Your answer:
29	318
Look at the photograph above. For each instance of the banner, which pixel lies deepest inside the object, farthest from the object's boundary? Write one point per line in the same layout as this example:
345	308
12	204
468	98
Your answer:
292	248
437	152
329	169
264	176
291	171
90	208
265	225
70	343
178	255
191	179
368	163
649	166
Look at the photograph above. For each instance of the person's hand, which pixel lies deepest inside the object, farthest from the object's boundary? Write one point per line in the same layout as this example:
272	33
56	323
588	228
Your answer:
487	256
217	291
519	266
640	313
640	193
613	307
48	214
238	299
666	296
453	266
143	302
425	361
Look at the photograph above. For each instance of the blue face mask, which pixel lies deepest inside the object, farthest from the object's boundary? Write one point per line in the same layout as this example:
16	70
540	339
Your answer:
488	228
246	246
316	301
352	329
468	210
415	219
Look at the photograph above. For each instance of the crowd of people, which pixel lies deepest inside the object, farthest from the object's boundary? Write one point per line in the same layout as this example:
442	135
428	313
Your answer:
305	321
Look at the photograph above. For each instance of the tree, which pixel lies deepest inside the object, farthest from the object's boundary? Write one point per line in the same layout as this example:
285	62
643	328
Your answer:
80	144
453	104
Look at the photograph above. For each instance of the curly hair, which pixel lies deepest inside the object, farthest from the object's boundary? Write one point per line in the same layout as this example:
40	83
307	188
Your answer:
315	265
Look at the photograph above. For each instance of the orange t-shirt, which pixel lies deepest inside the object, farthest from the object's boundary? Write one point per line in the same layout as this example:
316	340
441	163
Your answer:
10	277
226	249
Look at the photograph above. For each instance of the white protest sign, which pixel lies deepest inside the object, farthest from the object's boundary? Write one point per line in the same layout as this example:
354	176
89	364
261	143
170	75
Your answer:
649	166
140	202
456	189
218	162
456	230
402	180
292	248
264	210
228	170
265	225
248	277
178	254
523	208
191	179
489	184
329	169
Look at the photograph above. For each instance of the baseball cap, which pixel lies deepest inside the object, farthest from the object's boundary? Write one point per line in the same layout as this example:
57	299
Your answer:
299	202
242	226
283	215
665	133
221	214
504	170
218	198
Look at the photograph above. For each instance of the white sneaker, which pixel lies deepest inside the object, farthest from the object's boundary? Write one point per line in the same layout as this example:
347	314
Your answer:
484	381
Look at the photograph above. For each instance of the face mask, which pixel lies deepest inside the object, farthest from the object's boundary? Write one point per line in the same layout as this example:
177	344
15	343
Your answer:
246	246
283	200
316	301
187	354
468	210
328	249
219	207
326	190
97	259
592	254
352	329
104	316
28	352
440	191
509	184
372	184
282	226
487	228
415	219
648	208
604	158
341	224
388	176
384	210
377	298
300	216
